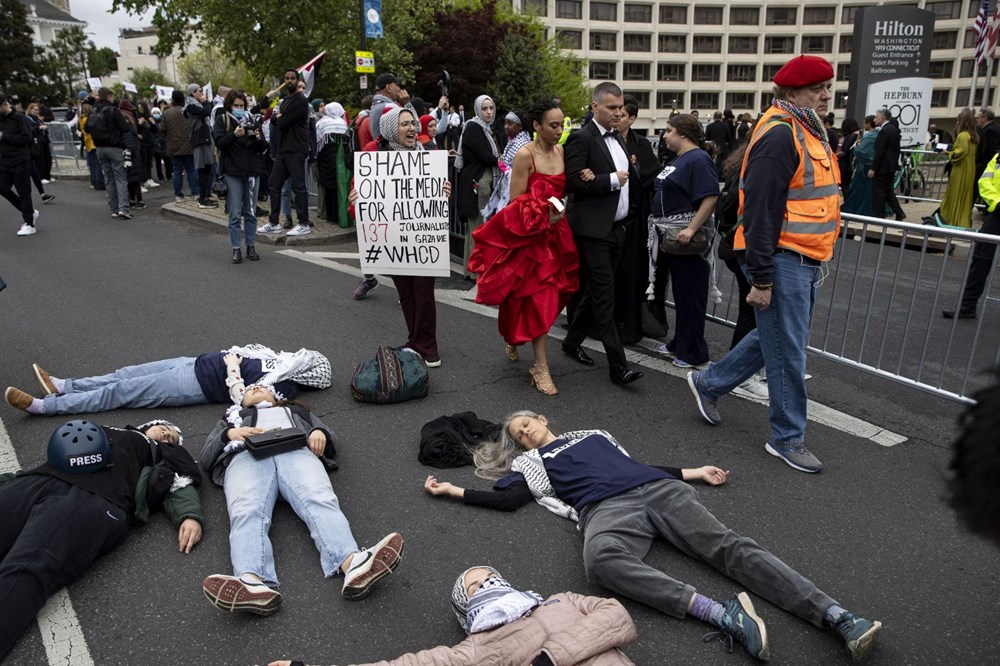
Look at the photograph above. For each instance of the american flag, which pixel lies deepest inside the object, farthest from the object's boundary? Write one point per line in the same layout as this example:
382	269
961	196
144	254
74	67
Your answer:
980	26
993	35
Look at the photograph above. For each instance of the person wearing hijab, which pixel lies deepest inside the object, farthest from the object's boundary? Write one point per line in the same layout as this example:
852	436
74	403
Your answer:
514	125
507	626
428	130
416	292
476	164
334	161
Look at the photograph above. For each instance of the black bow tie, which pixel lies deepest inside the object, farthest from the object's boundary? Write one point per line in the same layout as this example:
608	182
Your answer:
611	133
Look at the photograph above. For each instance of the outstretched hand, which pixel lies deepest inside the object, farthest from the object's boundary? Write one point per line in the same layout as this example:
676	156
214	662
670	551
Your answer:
711	475
188	535
438	488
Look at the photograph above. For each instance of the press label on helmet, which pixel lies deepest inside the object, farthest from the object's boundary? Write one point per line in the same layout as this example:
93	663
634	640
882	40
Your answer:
81	461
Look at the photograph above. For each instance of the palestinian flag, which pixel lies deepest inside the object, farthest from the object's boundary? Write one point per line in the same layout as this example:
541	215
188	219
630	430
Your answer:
309	71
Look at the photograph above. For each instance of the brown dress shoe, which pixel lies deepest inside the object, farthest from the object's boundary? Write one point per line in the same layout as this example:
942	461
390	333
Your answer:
17	398
44	380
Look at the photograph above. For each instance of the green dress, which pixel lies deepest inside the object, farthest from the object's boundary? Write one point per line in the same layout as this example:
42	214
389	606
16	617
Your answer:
956	207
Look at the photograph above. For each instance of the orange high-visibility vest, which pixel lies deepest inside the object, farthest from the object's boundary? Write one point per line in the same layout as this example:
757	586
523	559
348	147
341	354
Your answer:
812	213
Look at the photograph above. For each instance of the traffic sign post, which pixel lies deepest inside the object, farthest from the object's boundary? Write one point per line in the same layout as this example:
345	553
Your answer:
364	62
364	82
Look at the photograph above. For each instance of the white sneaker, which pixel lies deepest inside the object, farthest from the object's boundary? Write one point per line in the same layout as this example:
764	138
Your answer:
26	230
45	181
151	183
300	230
753	389
144	189
269	229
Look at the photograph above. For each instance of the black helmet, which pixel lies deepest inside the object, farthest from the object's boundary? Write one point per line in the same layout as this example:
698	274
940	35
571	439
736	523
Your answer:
79	447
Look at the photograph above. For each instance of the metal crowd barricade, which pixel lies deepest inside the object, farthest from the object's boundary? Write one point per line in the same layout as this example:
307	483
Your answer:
63	144
879	308
921	176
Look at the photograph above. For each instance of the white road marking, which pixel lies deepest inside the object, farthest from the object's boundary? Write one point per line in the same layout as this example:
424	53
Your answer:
816	412
62	635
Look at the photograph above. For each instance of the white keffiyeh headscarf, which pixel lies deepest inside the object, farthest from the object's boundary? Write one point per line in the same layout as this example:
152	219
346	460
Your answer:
334	121
389	127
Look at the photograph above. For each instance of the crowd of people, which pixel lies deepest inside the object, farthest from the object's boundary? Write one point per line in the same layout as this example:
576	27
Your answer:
590	221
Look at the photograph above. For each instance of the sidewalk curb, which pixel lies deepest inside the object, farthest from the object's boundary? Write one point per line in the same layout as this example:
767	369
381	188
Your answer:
324	233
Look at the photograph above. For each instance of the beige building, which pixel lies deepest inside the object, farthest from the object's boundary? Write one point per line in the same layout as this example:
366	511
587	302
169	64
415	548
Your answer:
135	50
47	18
712	54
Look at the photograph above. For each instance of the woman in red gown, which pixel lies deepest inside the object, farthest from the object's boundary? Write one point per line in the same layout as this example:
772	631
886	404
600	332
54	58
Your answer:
525	256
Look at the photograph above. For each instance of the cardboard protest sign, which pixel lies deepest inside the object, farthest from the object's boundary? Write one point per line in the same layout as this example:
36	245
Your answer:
402	212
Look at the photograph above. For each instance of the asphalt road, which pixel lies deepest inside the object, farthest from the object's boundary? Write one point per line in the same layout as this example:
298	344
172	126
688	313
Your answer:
89	294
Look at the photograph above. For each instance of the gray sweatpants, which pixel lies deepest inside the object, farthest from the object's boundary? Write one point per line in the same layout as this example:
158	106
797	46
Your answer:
619	531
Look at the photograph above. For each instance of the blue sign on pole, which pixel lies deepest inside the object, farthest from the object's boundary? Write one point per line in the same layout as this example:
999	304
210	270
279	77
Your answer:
373	19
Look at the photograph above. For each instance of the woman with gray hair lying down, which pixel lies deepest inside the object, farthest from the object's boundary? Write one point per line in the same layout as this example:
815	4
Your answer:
621	505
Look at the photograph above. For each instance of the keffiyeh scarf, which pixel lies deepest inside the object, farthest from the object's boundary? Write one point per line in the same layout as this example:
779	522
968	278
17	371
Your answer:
306	366
389	127
494	604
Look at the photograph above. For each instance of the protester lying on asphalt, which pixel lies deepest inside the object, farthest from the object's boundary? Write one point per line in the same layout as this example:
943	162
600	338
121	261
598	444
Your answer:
60	517
621	505
507	626
297	470
177	382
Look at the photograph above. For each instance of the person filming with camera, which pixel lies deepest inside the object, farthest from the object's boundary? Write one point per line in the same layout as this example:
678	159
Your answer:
241	148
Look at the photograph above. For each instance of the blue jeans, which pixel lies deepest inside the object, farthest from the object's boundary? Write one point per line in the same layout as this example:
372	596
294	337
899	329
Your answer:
184	163
168	383
112	161
239	198
778	344
252	487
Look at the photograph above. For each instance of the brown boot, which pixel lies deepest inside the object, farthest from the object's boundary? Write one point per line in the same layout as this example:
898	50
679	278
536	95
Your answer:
44	380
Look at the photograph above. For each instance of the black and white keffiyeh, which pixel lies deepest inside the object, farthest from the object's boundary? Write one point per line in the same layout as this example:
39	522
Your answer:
494	604
529	465
306	366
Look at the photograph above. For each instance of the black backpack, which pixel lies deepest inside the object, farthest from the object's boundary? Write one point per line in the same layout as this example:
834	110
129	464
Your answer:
727	206
99	126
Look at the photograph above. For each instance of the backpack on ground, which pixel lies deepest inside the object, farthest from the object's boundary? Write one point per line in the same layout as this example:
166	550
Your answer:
394	375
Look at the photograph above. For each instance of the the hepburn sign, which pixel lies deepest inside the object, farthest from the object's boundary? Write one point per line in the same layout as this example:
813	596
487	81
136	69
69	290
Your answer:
889	67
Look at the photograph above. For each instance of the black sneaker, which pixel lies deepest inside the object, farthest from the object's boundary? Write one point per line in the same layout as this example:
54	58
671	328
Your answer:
48	198
742	624
124	215
858	633
208	203
796	456
432	360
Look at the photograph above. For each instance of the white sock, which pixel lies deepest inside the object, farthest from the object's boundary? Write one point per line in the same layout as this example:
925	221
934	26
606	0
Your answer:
36	406
60	384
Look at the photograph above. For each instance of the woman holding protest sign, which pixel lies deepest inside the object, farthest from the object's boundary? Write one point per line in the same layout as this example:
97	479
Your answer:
525	255
399	128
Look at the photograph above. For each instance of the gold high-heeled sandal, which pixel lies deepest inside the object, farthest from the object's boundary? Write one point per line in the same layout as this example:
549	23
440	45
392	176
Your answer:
542	380
511	352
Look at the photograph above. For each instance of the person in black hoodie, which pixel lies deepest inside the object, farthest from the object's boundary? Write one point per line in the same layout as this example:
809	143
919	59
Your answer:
133	155
15	164
198	109
108	128
56	523
291	117
241	147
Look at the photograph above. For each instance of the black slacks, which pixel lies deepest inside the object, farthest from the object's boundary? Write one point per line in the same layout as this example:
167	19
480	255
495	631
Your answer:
15	187
599	259
883	194
983	255
293	166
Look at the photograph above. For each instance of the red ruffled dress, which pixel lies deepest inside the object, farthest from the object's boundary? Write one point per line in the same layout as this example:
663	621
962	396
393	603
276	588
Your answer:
525	265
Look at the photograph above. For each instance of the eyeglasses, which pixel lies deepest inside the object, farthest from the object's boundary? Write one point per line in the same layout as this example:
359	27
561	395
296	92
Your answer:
408	123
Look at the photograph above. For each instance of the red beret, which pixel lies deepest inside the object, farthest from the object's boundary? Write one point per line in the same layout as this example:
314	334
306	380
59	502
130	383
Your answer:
803	71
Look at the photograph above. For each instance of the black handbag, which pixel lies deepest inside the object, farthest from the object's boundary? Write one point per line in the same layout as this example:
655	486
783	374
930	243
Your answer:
273	442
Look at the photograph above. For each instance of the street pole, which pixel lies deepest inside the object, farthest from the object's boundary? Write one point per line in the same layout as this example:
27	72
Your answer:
986	86
362	42
974	90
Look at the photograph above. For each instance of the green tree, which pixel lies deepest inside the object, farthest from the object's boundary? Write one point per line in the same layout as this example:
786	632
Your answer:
209	65
519	77
102	61
23	65
146	78
270	35
70	52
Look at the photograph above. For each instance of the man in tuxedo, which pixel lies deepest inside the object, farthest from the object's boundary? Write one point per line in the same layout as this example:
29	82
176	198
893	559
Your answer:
884	166
597	217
